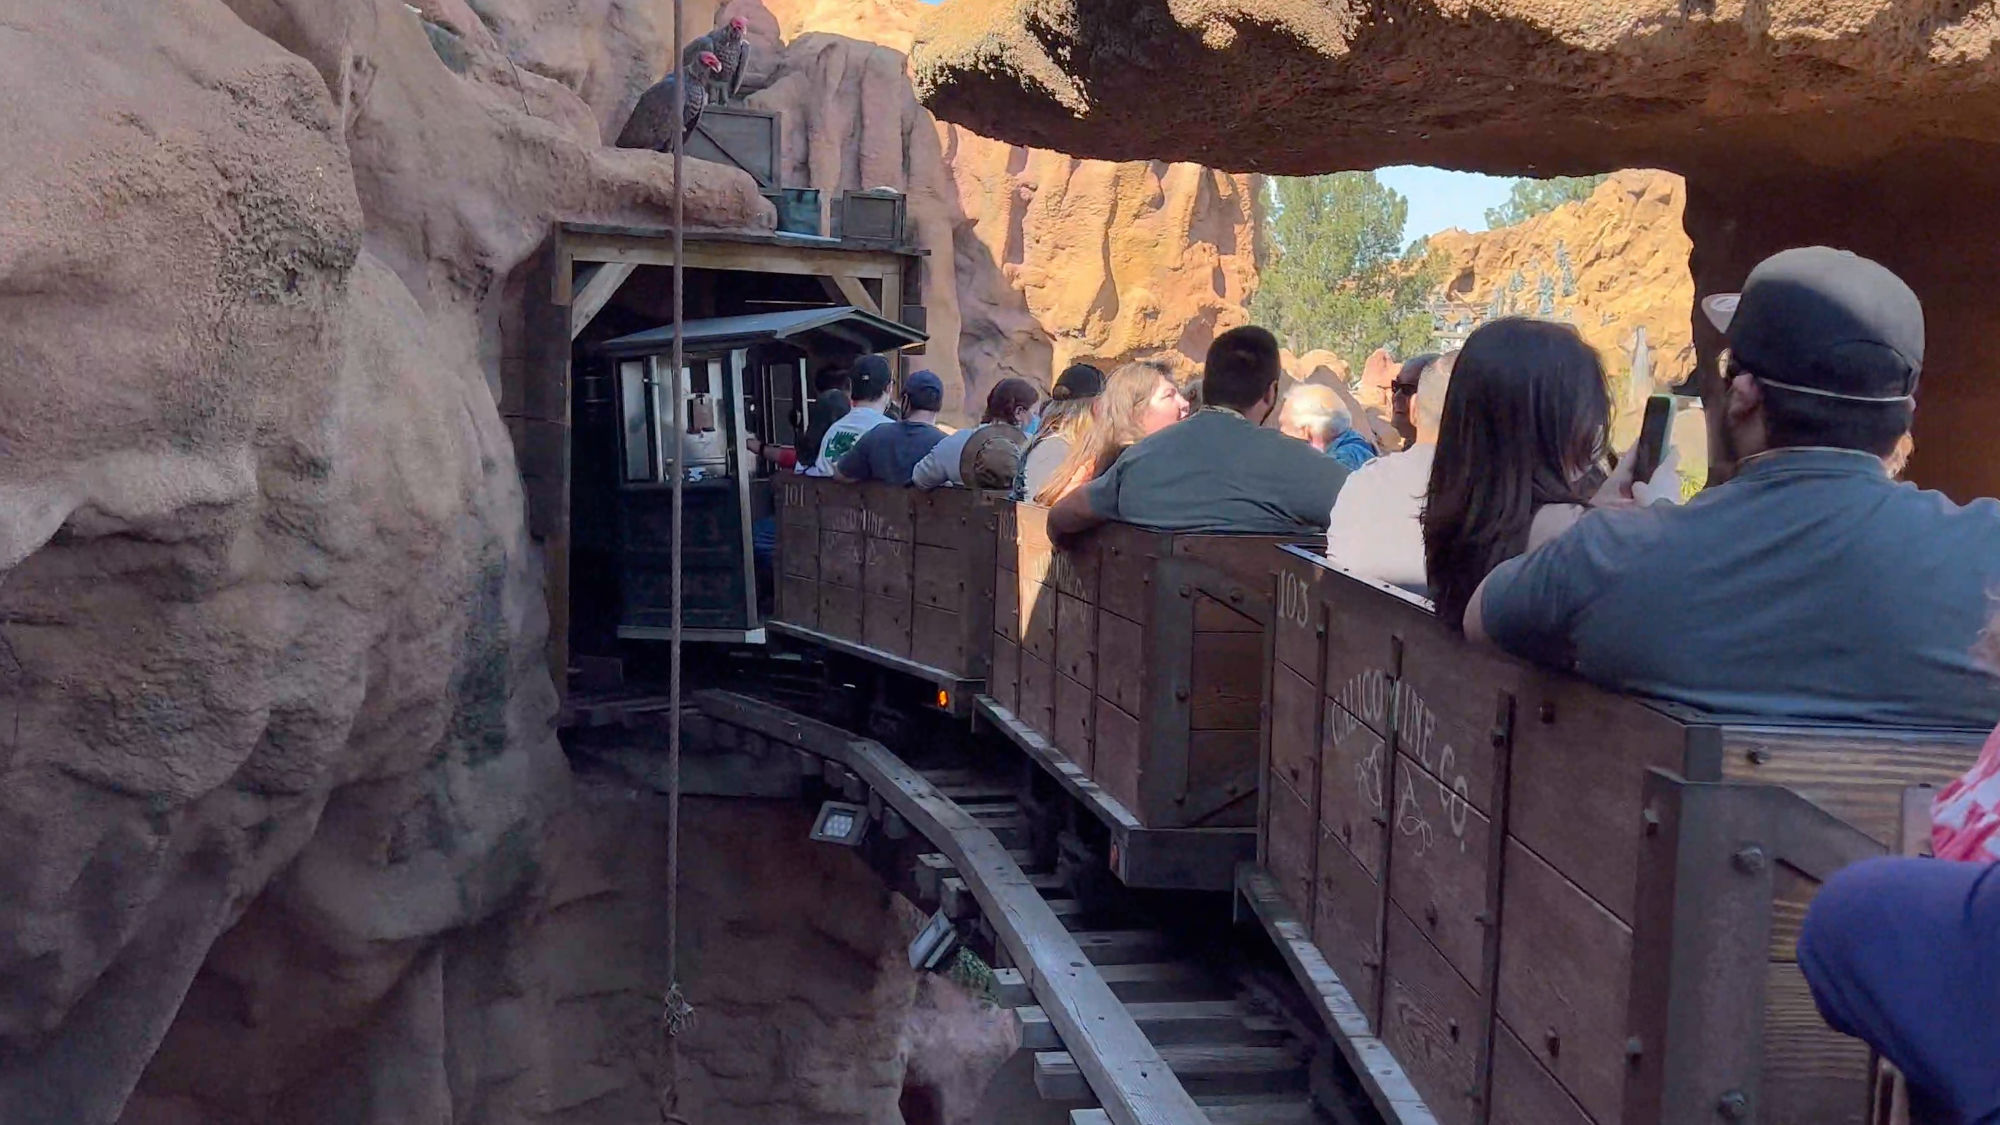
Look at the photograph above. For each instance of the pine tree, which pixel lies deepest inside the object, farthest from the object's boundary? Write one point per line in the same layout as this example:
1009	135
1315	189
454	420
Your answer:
1528	198
1336	276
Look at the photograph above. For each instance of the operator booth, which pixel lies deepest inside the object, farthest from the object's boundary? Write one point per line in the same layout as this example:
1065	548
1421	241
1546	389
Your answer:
743	376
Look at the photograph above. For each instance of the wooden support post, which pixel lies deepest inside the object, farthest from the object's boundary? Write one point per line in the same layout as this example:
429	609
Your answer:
596	293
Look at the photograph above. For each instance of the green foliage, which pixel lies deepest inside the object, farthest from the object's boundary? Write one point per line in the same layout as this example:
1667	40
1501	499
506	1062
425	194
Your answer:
971	973
1336	276
1528	198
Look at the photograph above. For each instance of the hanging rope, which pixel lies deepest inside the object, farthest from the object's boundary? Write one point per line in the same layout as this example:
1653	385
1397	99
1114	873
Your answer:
676	1014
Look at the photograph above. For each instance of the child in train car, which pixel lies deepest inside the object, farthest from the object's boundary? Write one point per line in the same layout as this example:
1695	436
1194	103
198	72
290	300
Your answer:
1070	410
1008	406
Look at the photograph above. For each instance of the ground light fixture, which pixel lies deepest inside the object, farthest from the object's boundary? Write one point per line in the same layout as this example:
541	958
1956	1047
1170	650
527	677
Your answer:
933	943
840	823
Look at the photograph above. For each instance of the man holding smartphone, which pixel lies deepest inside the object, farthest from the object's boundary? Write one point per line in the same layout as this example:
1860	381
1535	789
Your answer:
1809	586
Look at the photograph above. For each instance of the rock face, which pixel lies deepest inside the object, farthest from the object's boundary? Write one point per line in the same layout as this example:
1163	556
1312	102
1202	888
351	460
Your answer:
1609	265
1614	266
1302	86
1036	260
283	809
1857	123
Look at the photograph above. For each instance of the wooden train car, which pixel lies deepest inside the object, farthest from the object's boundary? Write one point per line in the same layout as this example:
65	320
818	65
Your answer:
899	576
1555	905
1138	656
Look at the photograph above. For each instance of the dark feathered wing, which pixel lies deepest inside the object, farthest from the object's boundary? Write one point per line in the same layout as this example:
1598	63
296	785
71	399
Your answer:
734	77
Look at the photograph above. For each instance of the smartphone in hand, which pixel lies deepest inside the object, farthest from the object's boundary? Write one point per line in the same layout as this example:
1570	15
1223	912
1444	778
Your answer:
1653	430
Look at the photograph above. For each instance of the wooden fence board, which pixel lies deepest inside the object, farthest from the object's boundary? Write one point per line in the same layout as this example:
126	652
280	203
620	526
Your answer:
1347	922
1564	963
1437	869
1434	1022
1354	785
1525	1093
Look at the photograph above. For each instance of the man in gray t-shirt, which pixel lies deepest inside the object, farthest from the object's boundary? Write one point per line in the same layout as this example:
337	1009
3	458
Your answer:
1809	586
1219	470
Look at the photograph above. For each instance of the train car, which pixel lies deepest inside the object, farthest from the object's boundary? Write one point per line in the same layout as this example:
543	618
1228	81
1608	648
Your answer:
899	577
1528	899
1554	904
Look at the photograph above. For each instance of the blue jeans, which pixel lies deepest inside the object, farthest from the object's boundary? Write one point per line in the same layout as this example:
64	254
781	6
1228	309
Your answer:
1904	954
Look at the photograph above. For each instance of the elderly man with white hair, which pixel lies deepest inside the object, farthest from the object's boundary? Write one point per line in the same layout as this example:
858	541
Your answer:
1376	529
1315	415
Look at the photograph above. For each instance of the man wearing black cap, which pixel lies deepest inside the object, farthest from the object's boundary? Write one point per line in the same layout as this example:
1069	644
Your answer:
890	452
869	389
1810	585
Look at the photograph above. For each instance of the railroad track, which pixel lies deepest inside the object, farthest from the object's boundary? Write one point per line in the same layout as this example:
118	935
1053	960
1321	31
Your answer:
1133	1009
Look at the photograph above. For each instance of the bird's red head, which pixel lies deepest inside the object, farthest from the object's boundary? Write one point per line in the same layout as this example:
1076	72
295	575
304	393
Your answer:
709	60
738	24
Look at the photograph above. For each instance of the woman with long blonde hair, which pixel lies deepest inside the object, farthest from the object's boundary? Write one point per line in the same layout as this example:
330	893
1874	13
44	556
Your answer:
1071	403
1139	398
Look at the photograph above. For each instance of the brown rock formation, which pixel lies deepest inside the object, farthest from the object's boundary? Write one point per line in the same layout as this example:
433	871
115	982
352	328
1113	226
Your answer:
1859	123
1608	265
1037	260
280	778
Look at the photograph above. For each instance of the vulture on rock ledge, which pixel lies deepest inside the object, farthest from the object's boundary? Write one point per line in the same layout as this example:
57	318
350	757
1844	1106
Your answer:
650	124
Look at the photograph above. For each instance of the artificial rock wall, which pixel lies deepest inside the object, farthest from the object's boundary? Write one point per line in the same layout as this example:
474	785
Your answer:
288	833
1036	259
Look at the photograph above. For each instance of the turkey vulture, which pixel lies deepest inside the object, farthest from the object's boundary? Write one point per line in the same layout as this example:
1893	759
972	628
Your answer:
649	125
727	44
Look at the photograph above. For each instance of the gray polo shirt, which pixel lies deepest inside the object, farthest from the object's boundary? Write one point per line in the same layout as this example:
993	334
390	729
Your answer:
1217	472
1811	586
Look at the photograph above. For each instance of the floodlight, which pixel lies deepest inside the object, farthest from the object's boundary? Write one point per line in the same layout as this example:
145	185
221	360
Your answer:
933	943
840	823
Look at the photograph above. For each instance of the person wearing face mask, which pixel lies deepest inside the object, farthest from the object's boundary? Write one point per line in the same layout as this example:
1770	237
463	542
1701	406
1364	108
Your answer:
1008	407
1220	470
1810	585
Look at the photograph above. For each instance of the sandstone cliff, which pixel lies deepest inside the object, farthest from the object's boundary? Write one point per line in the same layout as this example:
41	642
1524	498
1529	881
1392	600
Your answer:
1036	260
1614	266
1610	266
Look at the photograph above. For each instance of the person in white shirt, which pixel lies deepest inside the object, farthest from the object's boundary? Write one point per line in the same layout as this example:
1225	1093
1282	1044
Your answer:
871	395
1009	403
1376	530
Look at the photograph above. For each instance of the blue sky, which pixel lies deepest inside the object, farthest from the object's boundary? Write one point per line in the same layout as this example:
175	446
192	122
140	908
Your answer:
1440	200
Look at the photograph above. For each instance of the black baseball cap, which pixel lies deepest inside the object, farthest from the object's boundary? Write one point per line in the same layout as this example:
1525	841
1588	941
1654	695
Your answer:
871	378
1078	380
1827	323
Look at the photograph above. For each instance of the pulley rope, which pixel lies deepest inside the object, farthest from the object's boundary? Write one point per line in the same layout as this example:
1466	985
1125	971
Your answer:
676	1014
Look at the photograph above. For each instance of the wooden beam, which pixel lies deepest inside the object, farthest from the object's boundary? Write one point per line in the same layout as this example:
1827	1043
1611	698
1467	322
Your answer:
1381	1075
807	261
1122	1068
595	294
843	288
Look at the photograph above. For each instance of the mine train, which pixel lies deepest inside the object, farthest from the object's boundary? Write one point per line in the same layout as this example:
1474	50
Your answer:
1546	902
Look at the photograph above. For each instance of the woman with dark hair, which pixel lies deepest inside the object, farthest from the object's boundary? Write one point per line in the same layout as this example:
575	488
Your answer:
1520	451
